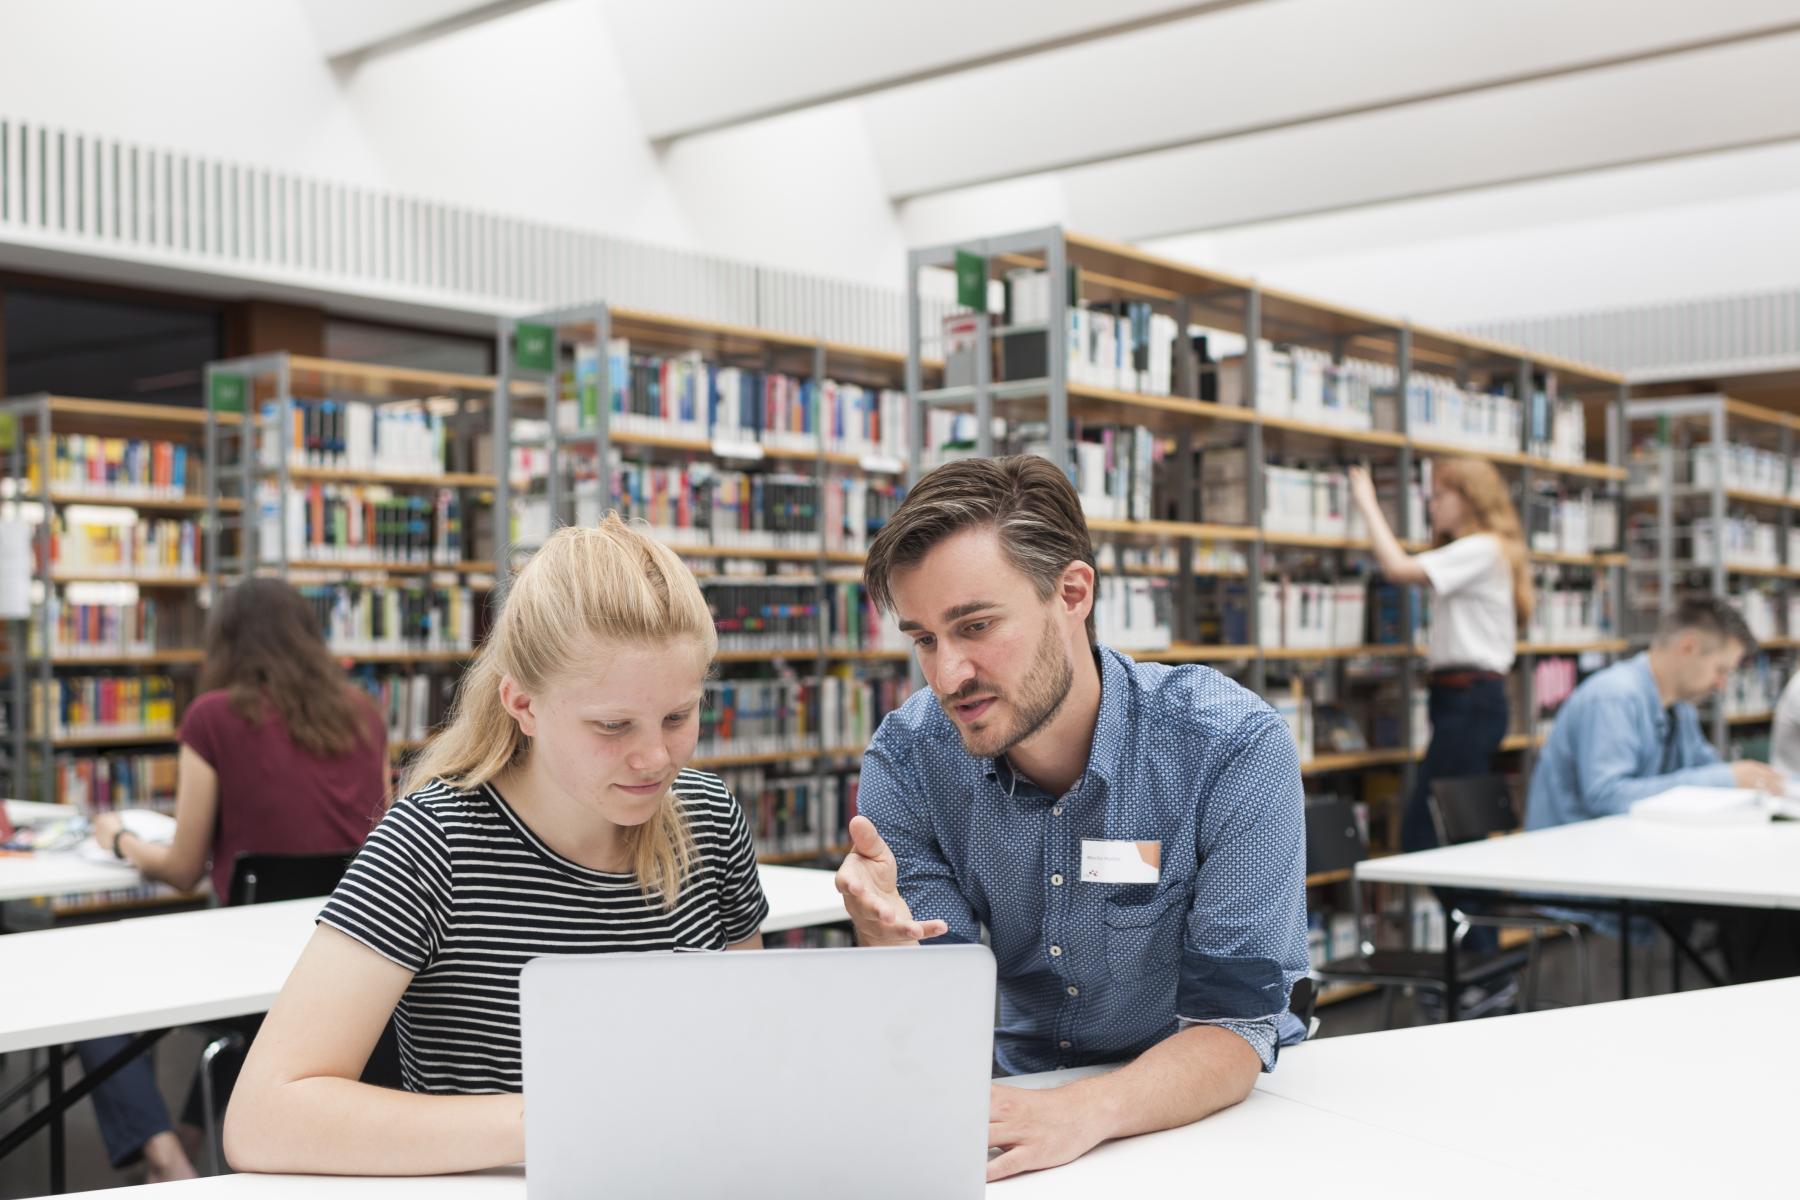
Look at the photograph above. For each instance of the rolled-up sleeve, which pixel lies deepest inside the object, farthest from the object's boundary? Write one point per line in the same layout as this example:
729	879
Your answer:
1612	738
889	796
1245	943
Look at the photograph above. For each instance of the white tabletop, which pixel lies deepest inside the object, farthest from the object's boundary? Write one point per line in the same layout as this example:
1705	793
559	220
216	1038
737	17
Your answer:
1754	866
1688	1094
60	873
62	985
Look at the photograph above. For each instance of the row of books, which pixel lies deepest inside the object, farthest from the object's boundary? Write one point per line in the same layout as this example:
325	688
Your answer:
98	705
113	468
411	705
1299	498
1301	614
1124	344
1743	467
698	504
853	623
1741	541
151	548
1328	726
1116	467
689	396
1572	521
1755	687
407	437
771	615
1763	611
1133	612
330	522
794	814
104	630
1566	615
1302	384
1209	557
838	711
103	782
1441	410
381	619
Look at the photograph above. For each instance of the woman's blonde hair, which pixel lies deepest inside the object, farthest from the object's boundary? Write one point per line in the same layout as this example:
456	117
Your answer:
1491	509
609	584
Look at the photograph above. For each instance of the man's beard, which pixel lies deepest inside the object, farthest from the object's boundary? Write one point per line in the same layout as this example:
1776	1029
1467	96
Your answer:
1040	698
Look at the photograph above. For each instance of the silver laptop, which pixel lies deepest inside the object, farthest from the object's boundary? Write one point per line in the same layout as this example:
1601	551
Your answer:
857	1072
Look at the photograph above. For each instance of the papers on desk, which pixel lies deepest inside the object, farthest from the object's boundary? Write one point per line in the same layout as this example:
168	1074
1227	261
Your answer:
1708	806
154	827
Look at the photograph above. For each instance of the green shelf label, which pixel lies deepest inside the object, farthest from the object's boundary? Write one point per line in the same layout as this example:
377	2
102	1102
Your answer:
227	393
534	347
971	280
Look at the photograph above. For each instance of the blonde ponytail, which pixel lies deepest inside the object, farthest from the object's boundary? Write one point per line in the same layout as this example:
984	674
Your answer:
609	584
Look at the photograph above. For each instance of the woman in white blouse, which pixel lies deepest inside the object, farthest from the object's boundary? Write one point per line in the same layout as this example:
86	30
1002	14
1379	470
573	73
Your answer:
1480	579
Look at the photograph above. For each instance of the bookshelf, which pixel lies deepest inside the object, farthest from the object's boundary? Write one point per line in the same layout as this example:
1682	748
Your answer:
370	488
679	422
114	496
1710	509
1269	391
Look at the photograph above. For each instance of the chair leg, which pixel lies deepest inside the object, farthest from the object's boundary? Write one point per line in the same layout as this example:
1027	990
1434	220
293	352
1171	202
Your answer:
209	1108
1578	939
1387	1008
1531	973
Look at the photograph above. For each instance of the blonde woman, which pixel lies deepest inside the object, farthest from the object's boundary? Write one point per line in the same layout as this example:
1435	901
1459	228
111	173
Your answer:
1480	578
552	816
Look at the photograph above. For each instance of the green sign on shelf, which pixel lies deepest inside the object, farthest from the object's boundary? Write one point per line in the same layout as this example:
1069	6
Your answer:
9	431
971	280
534	347
226	392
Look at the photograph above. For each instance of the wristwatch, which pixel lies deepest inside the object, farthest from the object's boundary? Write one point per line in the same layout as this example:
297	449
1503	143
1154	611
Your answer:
121	832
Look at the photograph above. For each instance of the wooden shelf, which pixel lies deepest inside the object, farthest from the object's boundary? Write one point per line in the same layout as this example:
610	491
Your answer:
387	568
1321	764
102	575
403	656
1589	470
758	656
1172	529
1325	878
149	503
1740	496
166	736
387	478
1520	741
1578	560
1373	650
1316	541
113	412
155	658
394	382
1751	718
830	556
1182	652
1539	649
407	745
90	908
779	756
1366	437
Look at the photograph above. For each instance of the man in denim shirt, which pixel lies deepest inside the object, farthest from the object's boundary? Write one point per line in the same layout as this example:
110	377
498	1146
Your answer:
1131	835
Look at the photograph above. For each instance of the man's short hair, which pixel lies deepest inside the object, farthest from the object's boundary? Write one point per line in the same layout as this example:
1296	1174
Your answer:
1025	499
1708	615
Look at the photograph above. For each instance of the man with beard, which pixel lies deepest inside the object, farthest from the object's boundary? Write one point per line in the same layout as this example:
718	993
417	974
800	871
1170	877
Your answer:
1131	835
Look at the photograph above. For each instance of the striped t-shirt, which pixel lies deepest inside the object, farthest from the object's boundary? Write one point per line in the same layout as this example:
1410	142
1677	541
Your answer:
454	887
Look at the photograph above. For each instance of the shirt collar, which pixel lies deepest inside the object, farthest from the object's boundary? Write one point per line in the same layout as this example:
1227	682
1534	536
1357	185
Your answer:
1112	727
1647	681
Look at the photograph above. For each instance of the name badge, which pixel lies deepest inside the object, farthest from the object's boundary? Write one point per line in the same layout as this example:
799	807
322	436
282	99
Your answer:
1120	862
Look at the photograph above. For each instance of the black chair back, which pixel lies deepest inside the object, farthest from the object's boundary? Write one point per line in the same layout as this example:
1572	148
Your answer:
1471	808
267	878
1333	842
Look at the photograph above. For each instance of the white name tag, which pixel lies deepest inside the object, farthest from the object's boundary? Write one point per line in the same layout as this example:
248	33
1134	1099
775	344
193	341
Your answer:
1120	862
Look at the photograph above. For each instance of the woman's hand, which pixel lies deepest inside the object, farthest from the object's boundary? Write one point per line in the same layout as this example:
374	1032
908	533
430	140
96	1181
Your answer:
1362	489
106	828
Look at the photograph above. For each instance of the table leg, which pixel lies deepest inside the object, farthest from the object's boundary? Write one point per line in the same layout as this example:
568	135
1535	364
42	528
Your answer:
1449	962
1624	949
58	1157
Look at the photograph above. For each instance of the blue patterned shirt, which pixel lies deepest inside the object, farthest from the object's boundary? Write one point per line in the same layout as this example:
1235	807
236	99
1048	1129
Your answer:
1099	972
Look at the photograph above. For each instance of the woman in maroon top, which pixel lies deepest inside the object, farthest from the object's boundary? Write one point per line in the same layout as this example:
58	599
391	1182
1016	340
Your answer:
280	754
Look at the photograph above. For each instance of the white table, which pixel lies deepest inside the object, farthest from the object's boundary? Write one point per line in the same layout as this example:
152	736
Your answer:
1681	1094
1618	858
150	973
57	873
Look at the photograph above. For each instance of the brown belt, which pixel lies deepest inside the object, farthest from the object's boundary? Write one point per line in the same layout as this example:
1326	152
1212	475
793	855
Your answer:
1463	678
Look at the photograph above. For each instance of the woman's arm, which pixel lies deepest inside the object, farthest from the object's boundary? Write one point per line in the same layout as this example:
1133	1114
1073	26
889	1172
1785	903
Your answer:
182	863
753	942
1396	564
298	1106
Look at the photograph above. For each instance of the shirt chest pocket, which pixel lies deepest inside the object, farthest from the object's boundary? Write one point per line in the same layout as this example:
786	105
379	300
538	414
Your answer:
1144	937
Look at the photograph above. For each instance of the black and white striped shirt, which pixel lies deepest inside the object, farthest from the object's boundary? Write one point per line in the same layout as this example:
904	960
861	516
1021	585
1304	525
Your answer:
454	887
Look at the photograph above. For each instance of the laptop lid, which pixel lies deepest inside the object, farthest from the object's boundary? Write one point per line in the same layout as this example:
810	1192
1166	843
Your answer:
758	1073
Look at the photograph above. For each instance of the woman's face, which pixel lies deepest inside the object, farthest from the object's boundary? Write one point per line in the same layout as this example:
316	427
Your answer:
611	735
1449	511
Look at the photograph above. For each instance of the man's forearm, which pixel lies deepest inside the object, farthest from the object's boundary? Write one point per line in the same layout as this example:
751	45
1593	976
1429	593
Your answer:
1186	1077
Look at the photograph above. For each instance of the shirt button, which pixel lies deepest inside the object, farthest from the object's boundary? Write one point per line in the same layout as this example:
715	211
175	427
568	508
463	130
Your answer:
1064	1045
1056	952
1074	991
1056	881
1057	811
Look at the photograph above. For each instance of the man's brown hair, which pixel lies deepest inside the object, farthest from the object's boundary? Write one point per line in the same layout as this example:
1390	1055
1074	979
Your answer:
1028	502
